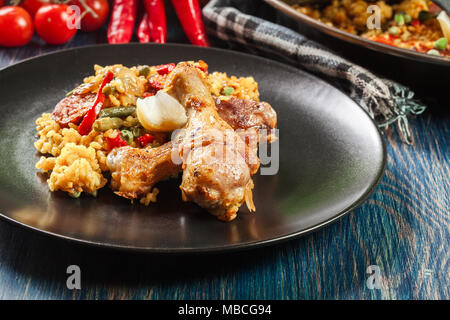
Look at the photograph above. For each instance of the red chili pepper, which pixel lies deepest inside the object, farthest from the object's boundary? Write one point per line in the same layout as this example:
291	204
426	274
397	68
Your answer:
190	16
122	20
146	139
155	85
143	31
163	69
116	142
89	119
156	20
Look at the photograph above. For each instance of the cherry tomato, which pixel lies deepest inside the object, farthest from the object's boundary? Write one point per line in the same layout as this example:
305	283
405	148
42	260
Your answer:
55	23
88	21
16	26
32	6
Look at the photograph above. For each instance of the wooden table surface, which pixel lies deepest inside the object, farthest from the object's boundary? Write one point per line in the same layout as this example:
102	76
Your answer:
403	229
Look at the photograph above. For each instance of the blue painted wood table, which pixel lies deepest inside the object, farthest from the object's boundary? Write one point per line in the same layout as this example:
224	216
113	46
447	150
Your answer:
403	229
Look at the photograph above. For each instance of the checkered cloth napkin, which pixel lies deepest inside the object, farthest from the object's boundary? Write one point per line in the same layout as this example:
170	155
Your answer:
387	102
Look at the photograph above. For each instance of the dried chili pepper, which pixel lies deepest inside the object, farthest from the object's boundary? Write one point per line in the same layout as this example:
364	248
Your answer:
90	117
156	20
190	16
123	17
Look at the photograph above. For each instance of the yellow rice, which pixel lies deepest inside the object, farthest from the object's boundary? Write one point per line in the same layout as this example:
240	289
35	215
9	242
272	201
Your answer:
77	163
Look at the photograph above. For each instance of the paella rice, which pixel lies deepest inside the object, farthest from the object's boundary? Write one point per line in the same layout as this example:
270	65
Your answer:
408	24
77	163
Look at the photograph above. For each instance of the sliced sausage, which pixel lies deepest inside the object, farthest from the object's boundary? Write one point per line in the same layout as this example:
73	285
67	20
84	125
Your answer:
72	109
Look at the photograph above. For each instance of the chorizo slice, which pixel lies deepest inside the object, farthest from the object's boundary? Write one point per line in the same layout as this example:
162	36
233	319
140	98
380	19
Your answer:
72	109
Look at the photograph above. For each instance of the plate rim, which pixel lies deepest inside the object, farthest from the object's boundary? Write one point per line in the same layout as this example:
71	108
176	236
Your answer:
215	249
355	39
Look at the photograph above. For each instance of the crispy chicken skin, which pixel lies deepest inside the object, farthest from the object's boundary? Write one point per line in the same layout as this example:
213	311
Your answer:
135	171
217	164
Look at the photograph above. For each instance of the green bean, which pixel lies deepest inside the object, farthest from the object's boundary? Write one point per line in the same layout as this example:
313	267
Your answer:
104	124
117	112
68	94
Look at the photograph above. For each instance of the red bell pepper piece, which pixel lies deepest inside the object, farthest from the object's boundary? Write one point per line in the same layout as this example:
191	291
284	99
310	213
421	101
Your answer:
415	22
145	139
121	25
155	85
90	117
165	68
156	20
202	65
143	31
190	16
116	142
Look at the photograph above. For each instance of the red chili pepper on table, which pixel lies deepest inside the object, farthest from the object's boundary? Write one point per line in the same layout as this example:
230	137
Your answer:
156	20
116	142
90	117
121	25
143	31
145	139
190	16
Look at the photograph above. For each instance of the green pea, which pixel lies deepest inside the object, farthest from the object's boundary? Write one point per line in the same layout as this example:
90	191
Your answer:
407	17
127	135
441	44
144	71
399	19
394	31
227	91
434	52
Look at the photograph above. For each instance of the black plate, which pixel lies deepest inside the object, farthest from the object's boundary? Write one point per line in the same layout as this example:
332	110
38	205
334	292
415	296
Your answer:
331	158
355	39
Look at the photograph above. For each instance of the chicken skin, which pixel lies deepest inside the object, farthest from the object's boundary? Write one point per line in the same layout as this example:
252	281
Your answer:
217	162
135	171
